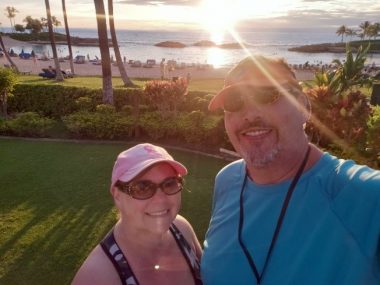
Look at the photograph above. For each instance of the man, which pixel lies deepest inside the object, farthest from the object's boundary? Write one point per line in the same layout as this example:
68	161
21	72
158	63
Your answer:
287	213
163	69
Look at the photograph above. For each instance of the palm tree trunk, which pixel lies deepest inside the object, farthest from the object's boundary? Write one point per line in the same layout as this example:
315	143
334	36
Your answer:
58	72
123	72
68	36
7	55
104	52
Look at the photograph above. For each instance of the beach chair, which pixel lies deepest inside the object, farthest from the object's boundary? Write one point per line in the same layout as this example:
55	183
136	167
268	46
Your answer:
150	63
46	73
68	73
25	55
136	63
80	59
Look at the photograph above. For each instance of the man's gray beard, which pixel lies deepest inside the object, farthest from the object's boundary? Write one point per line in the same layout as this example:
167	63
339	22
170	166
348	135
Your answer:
258	159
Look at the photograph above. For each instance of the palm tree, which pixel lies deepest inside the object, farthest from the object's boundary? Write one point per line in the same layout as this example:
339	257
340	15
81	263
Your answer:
55	21
365	29
11	14
342	30
68	36
7	55
104	52
44	24
350	33
123	72
58	72
373	30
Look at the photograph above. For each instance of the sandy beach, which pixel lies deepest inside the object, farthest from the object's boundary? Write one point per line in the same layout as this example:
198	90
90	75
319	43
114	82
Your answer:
89	69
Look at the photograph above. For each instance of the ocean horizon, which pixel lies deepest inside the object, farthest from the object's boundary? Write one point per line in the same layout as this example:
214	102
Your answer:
139	45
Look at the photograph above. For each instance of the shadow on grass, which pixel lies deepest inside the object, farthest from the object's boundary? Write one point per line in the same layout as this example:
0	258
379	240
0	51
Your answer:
55	205
60	237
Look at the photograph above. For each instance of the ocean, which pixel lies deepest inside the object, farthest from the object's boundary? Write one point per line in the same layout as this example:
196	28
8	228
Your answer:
139	45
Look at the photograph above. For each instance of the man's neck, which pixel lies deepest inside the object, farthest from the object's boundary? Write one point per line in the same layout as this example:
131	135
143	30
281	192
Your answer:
284	168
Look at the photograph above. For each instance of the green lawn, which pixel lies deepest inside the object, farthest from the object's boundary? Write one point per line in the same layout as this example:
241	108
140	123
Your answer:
207	85
55	205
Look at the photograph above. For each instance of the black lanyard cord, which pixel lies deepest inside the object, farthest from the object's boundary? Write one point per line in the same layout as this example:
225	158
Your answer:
279	221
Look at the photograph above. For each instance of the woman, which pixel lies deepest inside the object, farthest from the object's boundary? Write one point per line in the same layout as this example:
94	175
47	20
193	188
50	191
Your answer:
150	243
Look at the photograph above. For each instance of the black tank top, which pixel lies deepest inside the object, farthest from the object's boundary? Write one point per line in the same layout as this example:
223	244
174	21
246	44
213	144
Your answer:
127	277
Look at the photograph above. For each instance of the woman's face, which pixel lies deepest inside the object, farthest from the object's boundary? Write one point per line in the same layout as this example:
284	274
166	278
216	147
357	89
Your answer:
154	214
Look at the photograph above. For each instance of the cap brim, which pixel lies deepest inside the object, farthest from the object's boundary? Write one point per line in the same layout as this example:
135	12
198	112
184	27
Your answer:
218	100
133	172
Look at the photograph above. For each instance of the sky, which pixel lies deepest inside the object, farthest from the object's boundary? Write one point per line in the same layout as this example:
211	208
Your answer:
211	15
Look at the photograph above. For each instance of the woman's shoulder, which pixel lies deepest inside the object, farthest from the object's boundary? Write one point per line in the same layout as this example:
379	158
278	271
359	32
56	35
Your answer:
183	225
96	269
188	233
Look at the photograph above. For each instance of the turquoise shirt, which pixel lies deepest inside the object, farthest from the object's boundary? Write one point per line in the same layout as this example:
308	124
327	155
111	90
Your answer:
330	234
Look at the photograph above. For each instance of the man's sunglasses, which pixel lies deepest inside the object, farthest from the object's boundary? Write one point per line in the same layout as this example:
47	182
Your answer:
145	189
235	99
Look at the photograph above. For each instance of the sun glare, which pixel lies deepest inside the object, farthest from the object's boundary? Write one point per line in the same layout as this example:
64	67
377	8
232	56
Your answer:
216	57
216	17
220	16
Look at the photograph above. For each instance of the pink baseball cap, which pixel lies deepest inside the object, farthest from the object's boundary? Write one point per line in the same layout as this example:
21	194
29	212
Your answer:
256	71
134	160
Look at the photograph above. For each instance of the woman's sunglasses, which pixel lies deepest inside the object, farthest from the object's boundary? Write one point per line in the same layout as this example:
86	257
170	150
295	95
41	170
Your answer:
145	189
235	99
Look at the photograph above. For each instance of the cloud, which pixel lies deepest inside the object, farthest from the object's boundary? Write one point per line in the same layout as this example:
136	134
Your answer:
315	18
160	2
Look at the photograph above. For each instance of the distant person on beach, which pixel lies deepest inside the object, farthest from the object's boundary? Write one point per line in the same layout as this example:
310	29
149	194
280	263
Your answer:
125	59
150	243
188	78
34	57
163	69
287	212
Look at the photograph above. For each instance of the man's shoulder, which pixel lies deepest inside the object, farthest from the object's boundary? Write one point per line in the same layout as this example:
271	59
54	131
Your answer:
341	173
233	167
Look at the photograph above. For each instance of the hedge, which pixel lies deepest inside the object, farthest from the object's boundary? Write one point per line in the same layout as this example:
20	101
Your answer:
57	101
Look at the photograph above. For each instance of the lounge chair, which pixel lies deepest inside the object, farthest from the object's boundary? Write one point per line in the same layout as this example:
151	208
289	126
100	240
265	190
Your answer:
80	59
136	63
46	73
25	55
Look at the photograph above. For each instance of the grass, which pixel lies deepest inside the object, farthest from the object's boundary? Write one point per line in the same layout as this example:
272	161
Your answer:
55	205
206	85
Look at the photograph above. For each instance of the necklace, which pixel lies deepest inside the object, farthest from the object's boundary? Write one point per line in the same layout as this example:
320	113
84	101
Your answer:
280	219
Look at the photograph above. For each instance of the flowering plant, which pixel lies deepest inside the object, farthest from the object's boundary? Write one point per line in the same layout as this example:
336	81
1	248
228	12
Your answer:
166	95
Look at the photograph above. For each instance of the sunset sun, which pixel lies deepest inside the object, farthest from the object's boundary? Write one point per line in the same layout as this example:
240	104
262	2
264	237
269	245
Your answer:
220	16
216	17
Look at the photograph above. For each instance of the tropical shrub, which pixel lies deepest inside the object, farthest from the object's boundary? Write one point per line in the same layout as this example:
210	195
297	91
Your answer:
348	75
154	126
85	104
103	124
197	128
3	126
340	110
29	124
338	117
7	81
105	109
374	132
57	100
128	96
195	100
345	116
166	95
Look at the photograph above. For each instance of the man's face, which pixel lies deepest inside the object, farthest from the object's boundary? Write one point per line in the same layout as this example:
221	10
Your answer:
265	130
